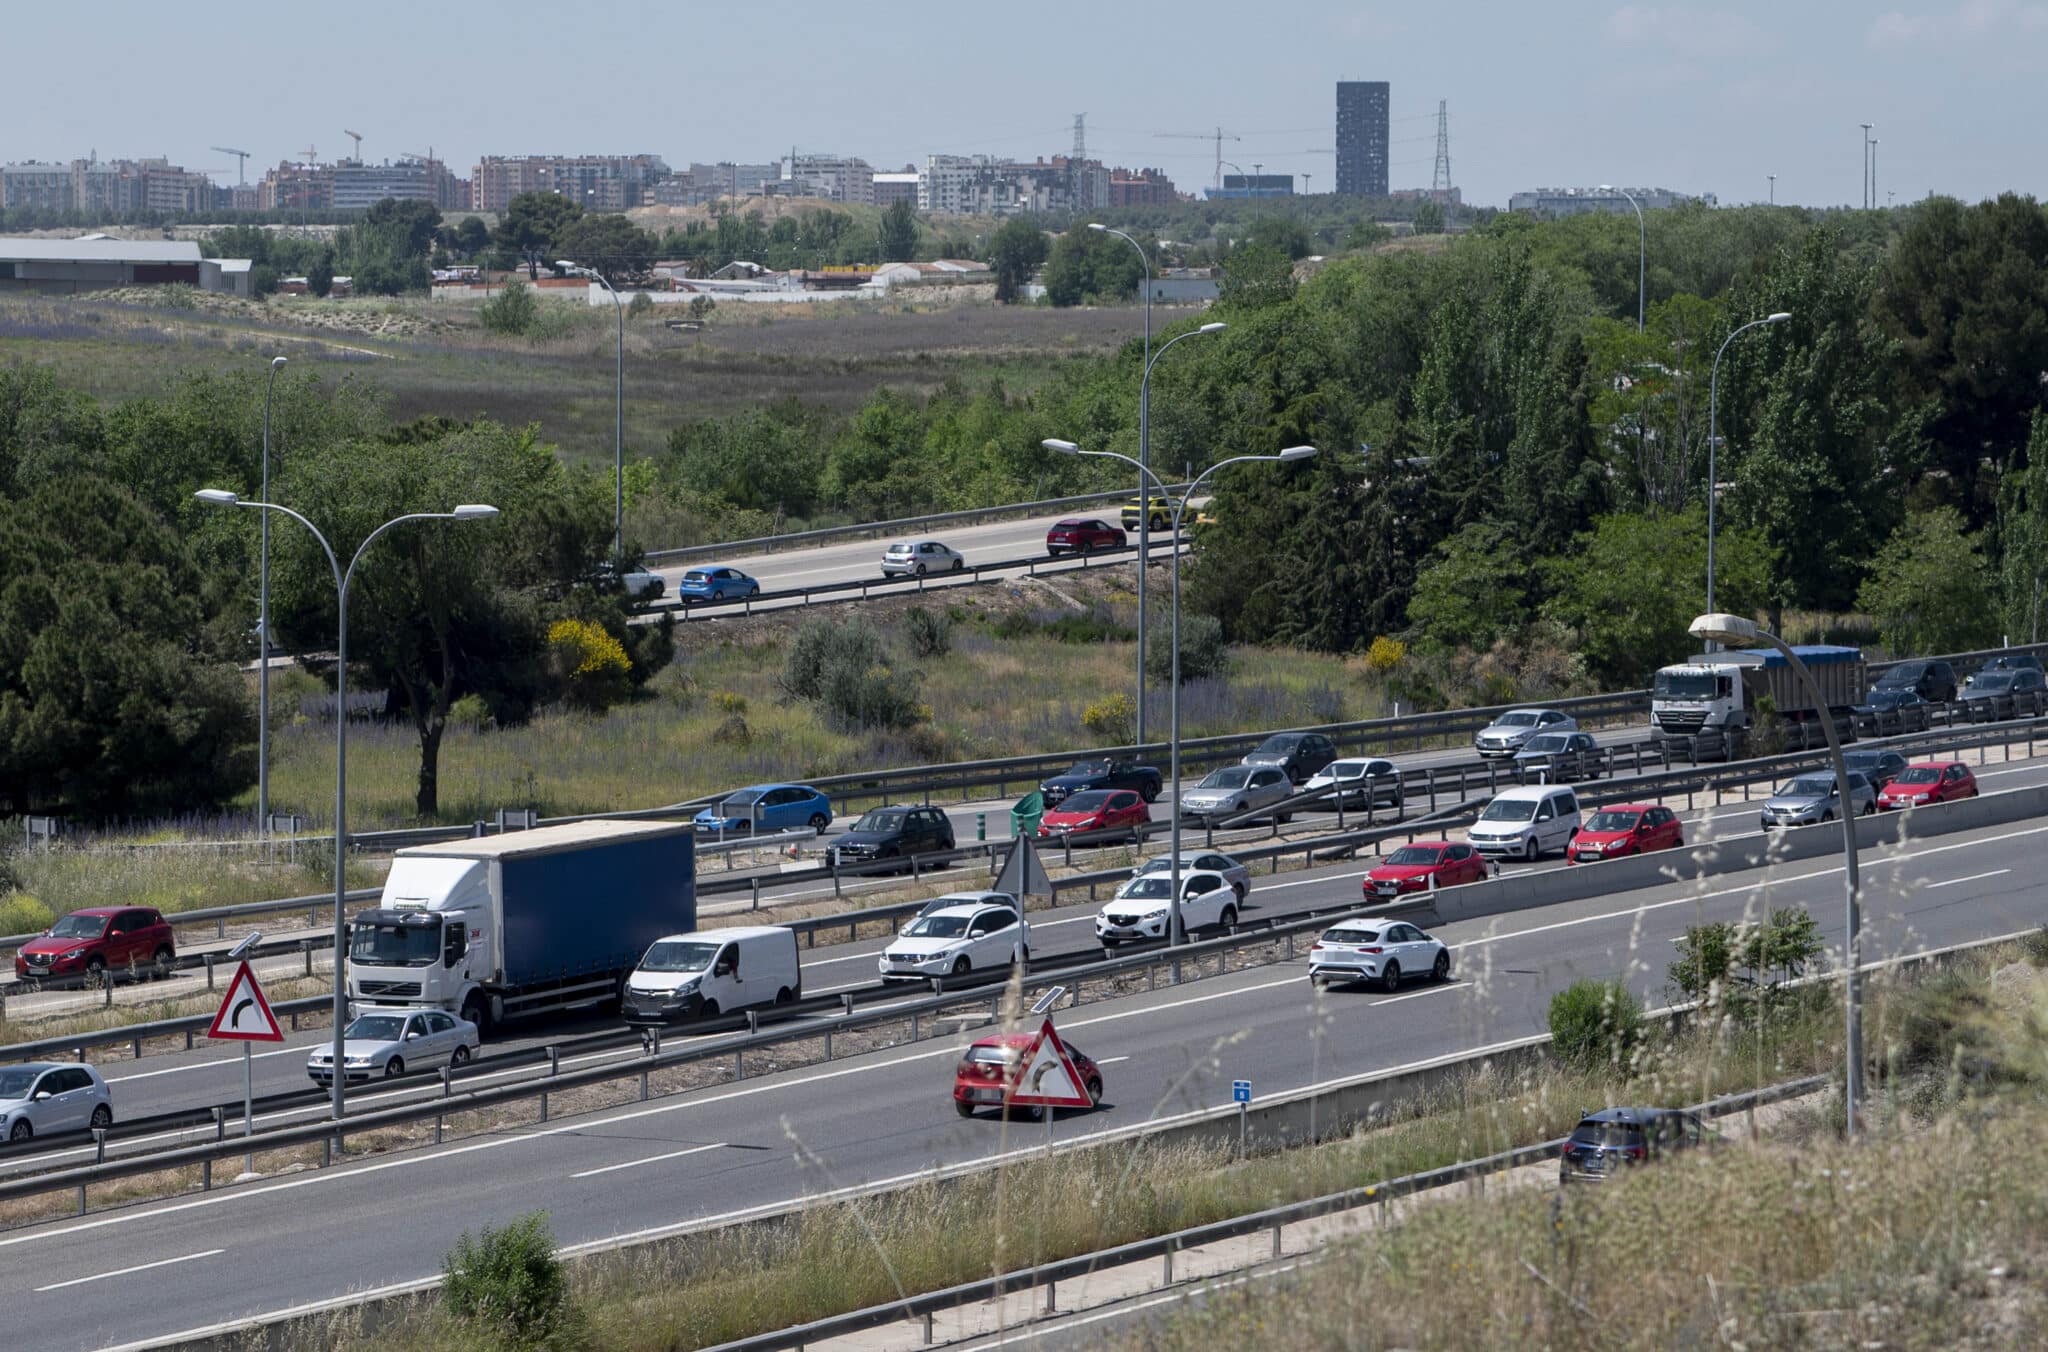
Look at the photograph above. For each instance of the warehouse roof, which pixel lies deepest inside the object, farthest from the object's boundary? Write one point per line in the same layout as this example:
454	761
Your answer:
98	251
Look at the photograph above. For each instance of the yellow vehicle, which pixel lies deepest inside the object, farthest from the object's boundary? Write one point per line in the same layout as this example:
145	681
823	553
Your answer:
1161	513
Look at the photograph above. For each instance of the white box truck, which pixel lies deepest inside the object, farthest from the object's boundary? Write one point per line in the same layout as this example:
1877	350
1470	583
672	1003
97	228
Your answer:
1707	705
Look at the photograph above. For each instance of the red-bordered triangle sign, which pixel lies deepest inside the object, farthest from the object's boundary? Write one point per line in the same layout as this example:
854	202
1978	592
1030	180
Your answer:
245	1015
1049	1079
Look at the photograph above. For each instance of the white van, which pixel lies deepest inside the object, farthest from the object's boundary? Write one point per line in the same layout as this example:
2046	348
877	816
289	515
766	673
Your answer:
1526	821
713	972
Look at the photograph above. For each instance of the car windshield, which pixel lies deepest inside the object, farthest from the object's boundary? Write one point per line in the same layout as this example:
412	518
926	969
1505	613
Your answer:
1892	697
1995	680
395	945
14	1083
1809	786
1919	774
881	819
375	1028
79	927
1091	801
1686	685
1089	768
1341	935
1613	821
1609	1134
1410	855
1547	741
1234	777
678	955
1149	885
1278	744
1900	677
1509	810
938	927
1519	720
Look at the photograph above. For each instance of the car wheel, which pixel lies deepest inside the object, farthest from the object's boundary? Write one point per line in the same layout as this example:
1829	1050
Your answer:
1286	817
785	996
394	1068
1094	1093
1035	1113
102	1117
1390	977
718	596
1229	918
958	564
476	1011
961	966
1827	817
1529	850
710	1009
963	1107
459	1057
920	570
96	970
164	959
1150	795
819	821
1442	971
20	1131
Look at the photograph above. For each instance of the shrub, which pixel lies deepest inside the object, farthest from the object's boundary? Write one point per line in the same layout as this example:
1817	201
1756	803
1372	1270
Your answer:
513	311
1096	625
639	305
844	668
701	306
1114	719
593	665
727	702
469	712
22	914
929	634
1595	1024
823	646
1203	653
1385	654
508	1284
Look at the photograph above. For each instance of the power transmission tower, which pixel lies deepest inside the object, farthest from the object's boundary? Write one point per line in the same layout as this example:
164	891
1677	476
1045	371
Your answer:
1440	183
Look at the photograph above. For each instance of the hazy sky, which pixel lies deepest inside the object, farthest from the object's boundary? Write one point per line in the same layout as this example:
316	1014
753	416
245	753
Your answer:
1699	97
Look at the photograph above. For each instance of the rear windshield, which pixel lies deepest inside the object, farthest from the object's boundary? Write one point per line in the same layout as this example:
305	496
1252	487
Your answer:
1352	936
991	1056
1609	1134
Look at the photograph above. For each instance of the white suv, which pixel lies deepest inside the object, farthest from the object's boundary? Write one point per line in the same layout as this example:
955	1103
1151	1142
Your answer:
1139	911
1526	822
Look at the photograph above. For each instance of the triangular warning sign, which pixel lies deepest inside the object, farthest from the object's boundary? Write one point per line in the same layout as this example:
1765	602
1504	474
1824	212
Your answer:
1022	874
1049	1079
245	1015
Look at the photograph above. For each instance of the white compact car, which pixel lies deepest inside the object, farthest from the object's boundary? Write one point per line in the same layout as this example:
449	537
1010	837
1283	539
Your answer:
48	1098
388	1042
915	558
1141	907
956	940
1526	821
1376	950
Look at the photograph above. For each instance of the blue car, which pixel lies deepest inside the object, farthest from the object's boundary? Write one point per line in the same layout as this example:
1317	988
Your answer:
778	807
716	583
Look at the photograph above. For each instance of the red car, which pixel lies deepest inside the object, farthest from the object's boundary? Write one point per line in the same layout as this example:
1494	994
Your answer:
87	943
1411	868
1629	828
987	1075
1928	782
1096	810
1078	535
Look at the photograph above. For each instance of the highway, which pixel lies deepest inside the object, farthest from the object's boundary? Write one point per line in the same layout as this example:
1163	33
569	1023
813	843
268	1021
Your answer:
723	1152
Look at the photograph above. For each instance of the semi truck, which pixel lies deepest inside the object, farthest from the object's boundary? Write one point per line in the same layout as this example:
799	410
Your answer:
1708	704
523	923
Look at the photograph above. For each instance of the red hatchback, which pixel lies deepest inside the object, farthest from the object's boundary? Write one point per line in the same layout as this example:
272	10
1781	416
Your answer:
1629	828
1096	810
1078	535
1412	867
987	1075
1928	782
87	943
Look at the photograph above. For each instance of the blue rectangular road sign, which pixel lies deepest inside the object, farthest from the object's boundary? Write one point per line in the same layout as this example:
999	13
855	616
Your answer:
1241	1091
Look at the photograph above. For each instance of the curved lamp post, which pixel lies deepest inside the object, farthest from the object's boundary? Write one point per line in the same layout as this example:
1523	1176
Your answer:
1713	416
1174	934
263	629
1642	250
618	414
469	511
1735	629
1144	460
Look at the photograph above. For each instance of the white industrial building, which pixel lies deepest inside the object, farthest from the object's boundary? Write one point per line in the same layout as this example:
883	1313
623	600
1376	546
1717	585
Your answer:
66	266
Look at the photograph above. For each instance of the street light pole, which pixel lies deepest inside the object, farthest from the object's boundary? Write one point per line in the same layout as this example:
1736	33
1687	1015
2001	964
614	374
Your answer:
1734	629
1144	462
1175	935
1642	252
1713	410
465	512
263	629
618	416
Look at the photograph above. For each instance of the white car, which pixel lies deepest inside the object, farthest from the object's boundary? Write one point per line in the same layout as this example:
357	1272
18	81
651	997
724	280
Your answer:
1376	950
389	1042
915	558
641	585
956	940
1365	782
1141	908
1505	735
1236	871
48	1098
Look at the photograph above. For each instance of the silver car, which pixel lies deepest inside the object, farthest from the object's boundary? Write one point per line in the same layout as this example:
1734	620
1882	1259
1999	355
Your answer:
915	558
46	1098
1812	798
1505	735
1364	781
388	1042
1235	789
1237	873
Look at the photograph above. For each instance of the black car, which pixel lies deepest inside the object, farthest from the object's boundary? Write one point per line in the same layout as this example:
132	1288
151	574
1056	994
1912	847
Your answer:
1879	767
1934	682
1142	780
1893	710
1558	758
2019	692
2013	662
894	833
1612	1139
1300	754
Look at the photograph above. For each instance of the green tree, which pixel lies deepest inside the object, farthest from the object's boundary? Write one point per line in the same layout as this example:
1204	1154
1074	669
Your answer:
1595	1024
767	459
471	237
513	311
1014	253
1092	267
1928	589
1428	219
1255	277
320	277
530	225
2023	536
898	232
608	243
1473	590
411	224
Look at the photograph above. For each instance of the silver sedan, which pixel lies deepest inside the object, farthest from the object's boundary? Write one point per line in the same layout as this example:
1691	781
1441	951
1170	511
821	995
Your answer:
386	1043
1235	789
915	558
44	1098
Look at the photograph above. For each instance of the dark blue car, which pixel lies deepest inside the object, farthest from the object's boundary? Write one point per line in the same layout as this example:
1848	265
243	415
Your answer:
715	583
776	807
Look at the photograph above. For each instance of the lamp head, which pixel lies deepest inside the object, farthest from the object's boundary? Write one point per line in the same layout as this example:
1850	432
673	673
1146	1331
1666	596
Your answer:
474	511
217	497
249	941
1606	187
1778	318
1217	327
276	363
1097	225
1063	447
1726	629
1297	452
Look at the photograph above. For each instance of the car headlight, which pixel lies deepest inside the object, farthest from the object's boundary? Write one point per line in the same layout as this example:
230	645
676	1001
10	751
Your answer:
357	1061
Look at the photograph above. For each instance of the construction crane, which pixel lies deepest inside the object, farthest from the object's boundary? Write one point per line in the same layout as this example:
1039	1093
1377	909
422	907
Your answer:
241	168
310	155
1219	136
357	137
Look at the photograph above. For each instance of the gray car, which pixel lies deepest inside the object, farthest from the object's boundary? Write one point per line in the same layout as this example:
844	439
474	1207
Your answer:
1237	873
1235	789
1812	798
381	1043
915	558
1558	758
46	1098
1506	734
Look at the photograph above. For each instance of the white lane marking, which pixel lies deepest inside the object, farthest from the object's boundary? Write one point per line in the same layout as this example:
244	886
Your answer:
1974	877
224	1063
123	1272
1111	1060
1414	995
651	1159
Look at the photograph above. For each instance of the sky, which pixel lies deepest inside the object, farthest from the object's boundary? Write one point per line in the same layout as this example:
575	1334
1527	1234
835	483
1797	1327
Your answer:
1699	97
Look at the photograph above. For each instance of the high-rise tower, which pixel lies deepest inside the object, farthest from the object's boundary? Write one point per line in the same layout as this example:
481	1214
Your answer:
1362	137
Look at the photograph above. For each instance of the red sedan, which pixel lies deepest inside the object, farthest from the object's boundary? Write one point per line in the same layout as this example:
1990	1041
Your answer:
1078	535
96	939
1412	868
1630	828
987	1075
1096	810
1928	782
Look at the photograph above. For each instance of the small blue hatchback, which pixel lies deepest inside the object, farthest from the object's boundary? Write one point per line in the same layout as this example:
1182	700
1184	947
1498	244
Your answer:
774	807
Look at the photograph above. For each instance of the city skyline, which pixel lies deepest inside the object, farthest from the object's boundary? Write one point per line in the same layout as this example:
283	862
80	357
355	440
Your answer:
1716	99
